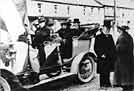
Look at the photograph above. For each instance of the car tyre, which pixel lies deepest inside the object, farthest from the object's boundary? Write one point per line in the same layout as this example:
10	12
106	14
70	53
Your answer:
4	85
86	69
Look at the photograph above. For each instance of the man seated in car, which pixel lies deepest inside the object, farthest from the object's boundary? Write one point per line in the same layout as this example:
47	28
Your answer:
42	34
76	27
66	34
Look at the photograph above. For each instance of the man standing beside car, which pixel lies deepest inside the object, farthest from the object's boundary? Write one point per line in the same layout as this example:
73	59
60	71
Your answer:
105	49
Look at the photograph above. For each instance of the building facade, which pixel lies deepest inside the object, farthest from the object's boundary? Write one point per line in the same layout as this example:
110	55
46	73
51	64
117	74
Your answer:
86	10
121	10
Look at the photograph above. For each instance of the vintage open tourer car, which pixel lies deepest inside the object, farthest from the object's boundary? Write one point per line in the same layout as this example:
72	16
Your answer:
19	64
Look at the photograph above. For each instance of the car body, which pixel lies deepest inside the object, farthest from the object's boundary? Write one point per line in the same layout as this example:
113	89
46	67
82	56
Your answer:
81	64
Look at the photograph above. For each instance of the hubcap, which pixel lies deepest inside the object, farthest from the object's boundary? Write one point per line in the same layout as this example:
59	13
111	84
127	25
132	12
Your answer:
1	88
85	69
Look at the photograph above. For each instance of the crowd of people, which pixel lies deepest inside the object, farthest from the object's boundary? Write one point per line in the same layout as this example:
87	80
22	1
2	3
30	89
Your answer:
44	30
111	57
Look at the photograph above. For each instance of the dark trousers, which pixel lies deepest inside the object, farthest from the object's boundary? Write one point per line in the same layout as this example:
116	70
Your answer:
42	55
105	79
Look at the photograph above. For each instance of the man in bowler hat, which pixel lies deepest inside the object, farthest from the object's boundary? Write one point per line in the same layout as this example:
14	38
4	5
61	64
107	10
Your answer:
76	27
105	49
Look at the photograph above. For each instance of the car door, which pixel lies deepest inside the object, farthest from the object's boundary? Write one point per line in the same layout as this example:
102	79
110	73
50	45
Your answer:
81	43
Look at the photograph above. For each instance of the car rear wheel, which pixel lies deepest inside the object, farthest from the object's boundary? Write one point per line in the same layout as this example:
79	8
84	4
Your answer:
4	86
86	69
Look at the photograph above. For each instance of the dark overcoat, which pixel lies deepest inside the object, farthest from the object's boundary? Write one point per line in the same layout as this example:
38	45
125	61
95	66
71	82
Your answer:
67	44
42	34
104	45
124	64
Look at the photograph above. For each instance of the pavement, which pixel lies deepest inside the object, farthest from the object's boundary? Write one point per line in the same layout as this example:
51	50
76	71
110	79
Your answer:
92	86
95	89
67	84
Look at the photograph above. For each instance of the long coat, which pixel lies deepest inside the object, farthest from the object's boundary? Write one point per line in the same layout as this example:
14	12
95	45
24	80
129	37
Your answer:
104	45
124	63
67	44
42	34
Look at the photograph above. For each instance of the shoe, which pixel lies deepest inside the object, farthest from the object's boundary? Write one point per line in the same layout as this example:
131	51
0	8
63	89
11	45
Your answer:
116	85
107	86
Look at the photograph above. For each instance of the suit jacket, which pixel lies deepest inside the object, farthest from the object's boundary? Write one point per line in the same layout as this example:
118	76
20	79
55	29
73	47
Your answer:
104	45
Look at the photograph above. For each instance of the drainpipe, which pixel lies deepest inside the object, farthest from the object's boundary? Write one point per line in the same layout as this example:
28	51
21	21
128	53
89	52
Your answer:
115	7
115	35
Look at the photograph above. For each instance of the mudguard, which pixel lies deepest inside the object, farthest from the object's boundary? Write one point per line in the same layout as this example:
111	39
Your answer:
77	60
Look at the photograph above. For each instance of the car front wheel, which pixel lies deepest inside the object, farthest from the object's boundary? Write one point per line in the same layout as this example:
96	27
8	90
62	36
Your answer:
4	86
86	69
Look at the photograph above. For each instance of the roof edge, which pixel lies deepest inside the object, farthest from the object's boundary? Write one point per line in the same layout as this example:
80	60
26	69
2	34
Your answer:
68	3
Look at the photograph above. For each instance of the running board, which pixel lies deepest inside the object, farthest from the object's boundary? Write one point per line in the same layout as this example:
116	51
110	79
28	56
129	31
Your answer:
48	80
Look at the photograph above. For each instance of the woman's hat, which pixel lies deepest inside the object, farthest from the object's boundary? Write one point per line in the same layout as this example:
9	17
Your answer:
49	22
124	27
76	20
66	23
63	23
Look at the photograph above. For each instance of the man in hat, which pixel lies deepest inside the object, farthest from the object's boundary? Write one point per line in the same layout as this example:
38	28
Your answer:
66	34
76	27
63	25
43	34
76	23
124	64
104	47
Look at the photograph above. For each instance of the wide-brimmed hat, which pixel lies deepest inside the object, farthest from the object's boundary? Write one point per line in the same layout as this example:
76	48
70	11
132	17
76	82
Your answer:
66	23
76	20
123	27
63	23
